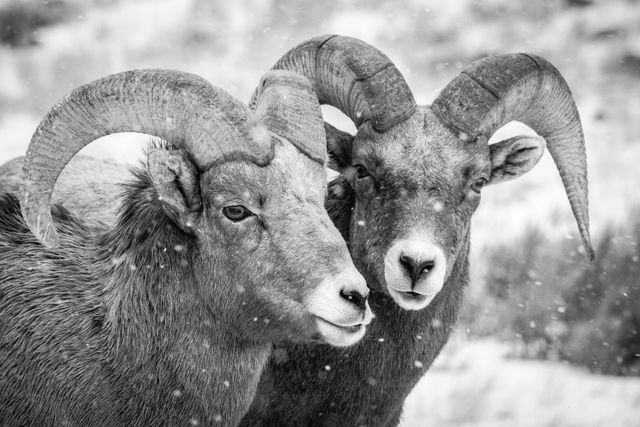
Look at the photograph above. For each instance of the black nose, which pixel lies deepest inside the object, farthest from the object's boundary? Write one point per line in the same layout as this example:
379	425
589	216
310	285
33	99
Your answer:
416	269
354	297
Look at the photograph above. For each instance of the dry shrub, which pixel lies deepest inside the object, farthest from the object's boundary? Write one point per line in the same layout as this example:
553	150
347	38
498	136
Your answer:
544	296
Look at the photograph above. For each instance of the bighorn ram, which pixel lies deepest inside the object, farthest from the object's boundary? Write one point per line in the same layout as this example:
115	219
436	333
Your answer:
222	246
412	178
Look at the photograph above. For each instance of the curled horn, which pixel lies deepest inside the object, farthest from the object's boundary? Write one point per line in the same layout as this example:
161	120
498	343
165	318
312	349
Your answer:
496	90
176	106
287	104
354	77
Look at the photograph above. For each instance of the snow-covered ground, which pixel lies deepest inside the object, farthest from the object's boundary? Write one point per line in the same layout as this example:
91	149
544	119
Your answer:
473	383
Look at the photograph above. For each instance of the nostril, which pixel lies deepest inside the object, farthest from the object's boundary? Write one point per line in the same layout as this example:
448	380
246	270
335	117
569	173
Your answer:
354	297
407	263
426	266
415	268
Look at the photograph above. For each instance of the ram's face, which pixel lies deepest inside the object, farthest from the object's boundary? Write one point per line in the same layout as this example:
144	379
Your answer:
278	254
417	186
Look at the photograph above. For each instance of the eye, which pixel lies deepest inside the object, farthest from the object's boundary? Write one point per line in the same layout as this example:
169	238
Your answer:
236	212
361	172
478	184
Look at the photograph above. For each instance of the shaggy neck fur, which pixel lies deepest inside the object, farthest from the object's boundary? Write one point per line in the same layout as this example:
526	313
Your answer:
139	349
365	384
156	309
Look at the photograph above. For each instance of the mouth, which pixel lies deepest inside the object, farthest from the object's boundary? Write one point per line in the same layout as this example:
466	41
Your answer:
340	335
410	300
349	329
412	296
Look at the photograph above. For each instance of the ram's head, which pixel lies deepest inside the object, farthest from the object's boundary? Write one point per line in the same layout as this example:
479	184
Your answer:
415	173
243	191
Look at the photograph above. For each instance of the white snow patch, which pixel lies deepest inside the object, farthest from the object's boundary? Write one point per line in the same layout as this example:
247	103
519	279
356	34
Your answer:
474	384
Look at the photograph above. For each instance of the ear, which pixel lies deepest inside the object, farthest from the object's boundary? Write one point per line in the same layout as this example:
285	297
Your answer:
339	146
176	181
514	157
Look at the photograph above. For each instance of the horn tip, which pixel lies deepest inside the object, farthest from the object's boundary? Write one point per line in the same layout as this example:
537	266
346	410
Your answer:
587	248
48	235
42	227
51	243
589	252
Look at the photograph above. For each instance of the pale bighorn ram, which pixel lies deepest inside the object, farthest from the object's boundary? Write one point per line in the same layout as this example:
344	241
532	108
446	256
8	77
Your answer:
222	246
412	177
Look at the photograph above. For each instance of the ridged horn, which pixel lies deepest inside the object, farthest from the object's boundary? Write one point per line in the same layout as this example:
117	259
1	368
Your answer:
179	107
354	77
522	87
287	104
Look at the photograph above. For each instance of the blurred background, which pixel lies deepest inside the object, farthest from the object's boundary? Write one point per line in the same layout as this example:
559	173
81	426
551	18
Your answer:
545	338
